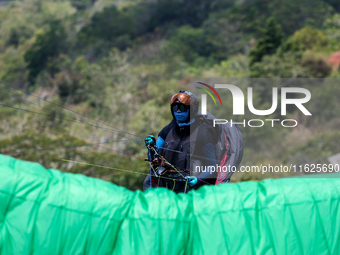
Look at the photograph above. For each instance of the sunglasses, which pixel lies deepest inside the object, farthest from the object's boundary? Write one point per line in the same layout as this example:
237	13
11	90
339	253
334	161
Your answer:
181	107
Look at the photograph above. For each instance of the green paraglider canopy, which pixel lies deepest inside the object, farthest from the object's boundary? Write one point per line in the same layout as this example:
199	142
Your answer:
50	212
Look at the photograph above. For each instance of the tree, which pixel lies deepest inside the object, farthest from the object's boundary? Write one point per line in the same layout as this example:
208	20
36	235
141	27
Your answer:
292	14
47	46
111	25
309	38
335	4
186	12
267	45
222	31
82	4
190	43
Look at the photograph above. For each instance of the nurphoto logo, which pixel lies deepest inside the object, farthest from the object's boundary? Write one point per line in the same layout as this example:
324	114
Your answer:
239	99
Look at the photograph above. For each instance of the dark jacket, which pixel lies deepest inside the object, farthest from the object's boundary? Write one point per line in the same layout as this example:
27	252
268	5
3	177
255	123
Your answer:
177	150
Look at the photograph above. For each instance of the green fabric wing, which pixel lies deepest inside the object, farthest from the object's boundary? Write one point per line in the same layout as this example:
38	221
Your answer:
51	212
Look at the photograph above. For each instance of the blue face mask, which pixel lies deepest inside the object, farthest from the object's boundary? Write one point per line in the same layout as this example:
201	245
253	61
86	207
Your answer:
181	116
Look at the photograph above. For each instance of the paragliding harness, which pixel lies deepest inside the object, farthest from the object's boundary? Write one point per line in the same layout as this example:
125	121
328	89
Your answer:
165	174
228	146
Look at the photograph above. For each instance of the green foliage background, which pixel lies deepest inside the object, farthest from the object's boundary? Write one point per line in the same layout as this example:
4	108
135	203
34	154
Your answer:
119	62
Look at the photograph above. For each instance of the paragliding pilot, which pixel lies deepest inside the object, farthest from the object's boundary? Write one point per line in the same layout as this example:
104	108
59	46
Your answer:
184	156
